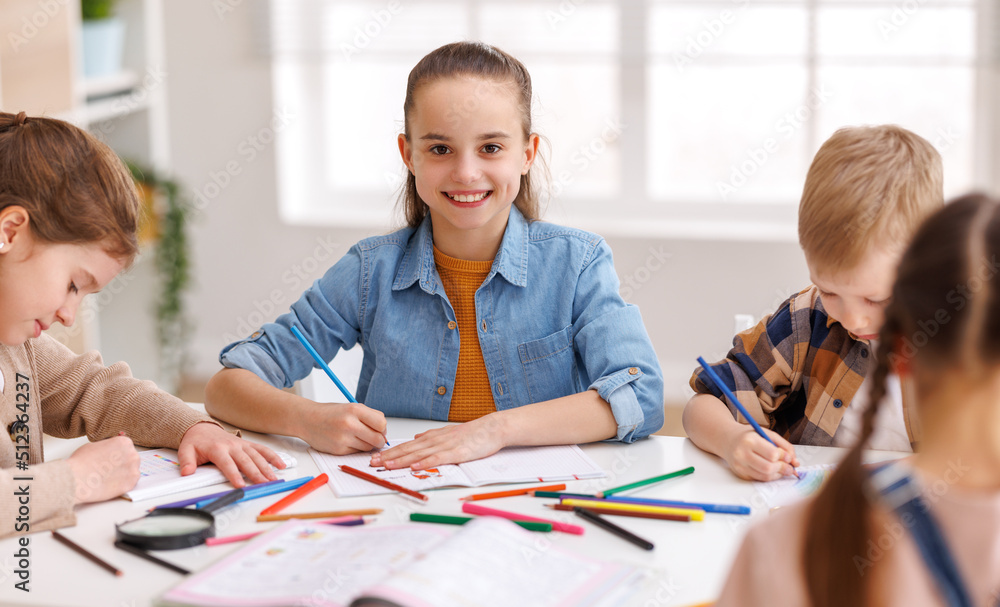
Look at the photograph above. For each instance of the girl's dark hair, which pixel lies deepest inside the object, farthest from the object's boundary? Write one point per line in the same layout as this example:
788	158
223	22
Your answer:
944	315
479	60
75	189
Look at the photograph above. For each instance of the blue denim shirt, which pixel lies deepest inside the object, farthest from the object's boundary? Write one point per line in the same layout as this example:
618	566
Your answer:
551	323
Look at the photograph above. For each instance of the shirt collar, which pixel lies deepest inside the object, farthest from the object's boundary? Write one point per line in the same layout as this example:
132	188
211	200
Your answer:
511	260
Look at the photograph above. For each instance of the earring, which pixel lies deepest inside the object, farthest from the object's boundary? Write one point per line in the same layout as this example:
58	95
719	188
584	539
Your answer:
2	244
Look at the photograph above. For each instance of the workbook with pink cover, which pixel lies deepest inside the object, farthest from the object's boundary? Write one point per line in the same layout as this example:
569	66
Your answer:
509	465
488	562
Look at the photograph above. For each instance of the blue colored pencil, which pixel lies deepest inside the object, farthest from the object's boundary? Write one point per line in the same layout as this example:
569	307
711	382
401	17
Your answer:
201	498
326	368
736	403
716	508
253	494
322	364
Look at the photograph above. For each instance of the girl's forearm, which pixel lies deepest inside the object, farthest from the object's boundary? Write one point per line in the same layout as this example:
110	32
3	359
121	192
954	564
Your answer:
579	418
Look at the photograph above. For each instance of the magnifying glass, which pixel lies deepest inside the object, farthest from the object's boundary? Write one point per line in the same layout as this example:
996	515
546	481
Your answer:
174	528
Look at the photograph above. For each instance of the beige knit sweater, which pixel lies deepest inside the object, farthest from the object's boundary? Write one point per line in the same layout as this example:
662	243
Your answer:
69	396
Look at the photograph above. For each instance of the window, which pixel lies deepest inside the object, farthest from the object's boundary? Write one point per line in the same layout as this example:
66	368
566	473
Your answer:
664	117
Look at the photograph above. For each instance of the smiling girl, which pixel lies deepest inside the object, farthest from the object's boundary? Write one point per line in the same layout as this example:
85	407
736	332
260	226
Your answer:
68	217
476	312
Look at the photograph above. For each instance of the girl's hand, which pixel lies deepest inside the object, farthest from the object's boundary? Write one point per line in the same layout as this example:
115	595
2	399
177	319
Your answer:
104	469
205	442
343	428
449	445
752	458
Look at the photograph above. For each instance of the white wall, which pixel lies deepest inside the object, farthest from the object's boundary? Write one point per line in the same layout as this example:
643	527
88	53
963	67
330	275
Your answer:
245	258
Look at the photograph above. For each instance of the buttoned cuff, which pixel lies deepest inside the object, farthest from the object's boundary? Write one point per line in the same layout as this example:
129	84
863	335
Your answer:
618	392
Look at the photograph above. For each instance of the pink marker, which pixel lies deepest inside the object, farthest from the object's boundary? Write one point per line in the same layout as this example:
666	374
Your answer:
472	508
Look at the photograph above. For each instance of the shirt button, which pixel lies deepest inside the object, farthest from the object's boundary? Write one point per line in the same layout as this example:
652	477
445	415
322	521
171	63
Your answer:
838	404
442	390
499	389
452	324
255	335
633	370
864	354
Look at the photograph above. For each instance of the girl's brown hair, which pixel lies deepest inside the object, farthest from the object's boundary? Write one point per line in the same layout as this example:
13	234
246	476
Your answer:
479	60
75	189
953	248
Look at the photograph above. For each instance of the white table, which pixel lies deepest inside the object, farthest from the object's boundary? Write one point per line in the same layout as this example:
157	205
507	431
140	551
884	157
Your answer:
695	557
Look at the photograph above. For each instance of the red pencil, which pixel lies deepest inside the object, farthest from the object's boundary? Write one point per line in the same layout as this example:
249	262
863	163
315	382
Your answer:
382	483
512	492
296	495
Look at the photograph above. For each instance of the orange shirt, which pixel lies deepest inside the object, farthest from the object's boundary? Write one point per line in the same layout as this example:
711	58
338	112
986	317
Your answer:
472	397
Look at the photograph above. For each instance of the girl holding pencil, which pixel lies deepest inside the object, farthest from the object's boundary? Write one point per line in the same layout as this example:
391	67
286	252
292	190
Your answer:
69	212
475	312
924	530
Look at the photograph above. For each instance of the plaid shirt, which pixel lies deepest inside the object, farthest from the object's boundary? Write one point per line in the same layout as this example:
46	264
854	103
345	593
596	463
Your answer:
796	371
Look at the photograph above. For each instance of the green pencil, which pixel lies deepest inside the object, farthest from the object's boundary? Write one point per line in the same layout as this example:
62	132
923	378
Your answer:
648	481
461	520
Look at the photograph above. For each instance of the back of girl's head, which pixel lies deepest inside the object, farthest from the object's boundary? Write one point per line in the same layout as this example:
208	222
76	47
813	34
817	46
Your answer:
475	60
944	321
74	188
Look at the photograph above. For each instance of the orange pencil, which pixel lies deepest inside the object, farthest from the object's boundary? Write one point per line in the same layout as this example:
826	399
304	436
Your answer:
296	495
382	483
512	492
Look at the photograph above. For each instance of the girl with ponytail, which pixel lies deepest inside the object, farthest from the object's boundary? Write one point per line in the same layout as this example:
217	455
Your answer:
925	530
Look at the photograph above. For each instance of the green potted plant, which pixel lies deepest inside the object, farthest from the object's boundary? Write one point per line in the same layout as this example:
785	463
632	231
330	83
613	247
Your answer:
102	40
166	213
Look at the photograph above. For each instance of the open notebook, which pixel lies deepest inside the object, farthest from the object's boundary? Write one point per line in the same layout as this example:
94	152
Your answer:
510	465
160	474
488	562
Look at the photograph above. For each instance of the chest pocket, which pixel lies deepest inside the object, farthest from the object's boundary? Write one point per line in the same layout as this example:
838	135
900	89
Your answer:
549	366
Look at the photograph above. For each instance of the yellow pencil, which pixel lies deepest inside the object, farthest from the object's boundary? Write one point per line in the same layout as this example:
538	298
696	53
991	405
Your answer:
694	513
266	518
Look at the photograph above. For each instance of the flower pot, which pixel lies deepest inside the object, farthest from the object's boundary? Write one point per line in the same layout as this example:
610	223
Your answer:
102	47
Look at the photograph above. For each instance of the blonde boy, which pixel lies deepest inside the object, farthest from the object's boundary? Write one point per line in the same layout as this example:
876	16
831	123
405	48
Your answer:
799	372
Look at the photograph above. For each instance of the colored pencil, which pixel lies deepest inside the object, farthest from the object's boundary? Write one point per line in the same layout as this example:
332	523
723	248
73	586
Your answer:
382	483
461	520
512	492
93	558
696	514
736	403
296	495
644	482
345	521
208	498
607	525
267	518
682	518
561	494
714	508
149	557
514	516
259	492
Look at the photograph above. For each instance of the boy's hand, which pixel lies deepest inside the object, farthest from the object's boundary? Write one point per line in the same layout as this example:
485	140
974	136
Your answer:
104	469
343	428
449	445
752	458
205	442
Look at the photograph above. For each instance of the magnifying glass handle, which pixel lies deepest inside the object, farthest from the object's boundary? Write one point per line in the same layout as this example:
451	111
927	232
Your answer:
227	499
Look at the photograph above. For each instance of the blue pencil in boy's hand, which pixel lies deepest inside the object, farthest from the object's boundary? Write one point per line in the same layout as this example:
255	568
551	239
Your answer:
326	368
712	375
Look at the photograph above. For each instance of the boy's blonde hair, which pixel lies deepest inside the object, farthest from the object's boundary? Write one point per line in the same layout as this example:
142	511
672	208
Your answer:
867	186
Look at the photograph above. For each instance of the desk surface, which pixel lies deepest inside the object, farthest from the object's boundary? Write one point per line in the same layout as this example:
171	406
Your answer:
694	557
